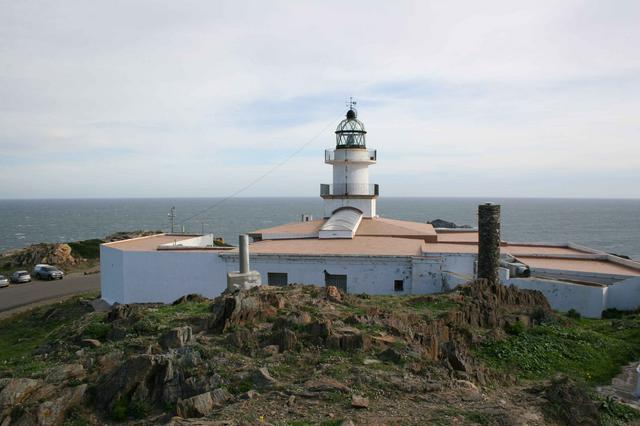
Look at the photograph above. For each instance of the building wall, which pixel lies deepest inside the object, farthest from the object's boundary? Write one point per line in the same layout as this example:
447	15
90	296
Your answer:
593	277
590	301
111	274
624	295
426	275
373	275
367	206
164	276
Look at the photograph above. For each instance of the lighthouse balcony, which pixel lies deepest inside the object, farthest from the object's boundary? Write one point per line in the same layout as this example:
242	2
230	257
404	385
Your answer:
360	155
354	190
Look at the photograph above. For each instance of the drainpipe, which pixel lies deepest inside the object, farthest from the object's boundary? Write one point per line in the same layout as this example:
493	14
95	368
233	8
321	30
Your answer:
489	242
244	253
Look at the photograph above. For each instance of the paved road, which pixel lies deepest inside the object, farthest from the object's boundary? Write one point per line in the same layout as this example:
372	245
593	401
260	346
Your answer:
17	295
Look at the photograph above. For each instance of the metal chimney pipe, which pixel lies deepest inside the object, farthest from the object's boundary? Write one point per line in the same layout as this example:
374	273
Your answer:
489	241
244	253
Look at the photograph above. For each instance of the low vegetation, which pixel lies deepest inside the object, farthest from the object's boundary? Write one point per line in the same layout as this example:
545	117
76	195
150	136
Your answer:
303	355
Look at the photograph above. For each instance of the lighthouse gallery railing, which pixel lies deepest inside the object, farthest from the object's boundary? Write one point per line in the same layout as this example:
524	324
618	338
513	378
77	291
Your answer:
349	189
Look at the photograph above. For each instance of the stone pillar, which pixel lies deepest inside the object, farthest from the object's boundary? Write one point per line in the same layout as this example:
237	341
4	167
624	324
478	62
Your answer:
244	253
489	241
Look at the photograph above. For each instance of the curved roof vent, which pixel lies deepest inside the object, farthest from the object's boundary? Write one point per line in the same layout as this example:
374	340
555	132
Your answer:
343	223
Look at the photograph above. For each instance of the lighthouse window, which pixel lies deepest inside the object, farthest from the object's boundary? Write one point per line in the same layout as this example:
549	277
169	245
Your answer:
277	278
398	285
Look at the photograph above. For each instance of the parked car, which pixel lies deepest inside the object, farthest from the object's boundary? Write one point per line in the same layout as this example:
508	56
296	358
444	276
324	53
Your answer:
20	277
47	272
4	282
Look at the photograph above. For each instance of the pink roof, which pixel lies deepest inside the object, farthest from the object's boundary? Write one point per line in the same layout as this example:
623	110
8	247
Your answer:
149	243
579	265
367	246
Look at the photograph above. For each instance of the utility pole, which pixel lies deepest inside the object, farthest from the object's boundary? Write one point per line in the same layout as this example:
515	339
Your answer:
172	218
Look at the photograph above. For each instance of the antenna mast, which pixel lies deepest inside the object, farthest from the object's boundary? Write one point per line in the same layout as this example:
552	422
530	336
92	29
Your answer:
172	218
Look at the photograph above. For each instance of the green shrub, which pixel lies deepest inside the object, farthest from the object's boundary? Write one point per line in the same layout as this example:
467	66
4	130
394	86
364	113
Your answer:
572	313
515	329
96	330
88	249
119	410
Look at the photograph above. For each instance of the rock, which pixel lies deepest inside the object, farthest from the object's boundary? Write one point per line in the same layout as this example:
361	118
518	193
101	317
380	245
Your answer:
333	294
65	372
349	339
320	329
53	412
291	401
359	401
203	404
55	254
347	422
91	343
133	376
17	390
176	338
270	350
196	298
117	333
262	378
455	358
391	355
439	223
250	394
243	339
326	384
125	312
575	405
285	339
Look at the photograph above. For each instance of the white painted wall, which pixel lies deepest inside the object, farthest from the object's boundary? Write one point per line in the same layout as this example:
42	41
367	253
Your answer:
373	275
111	275
624	295
426	275
590	301
366	206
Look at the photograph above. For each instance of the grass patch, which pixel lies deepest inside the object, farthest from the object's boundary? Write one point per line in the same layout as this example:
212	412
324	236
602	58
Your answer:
584	349
173	315
88	249
22	334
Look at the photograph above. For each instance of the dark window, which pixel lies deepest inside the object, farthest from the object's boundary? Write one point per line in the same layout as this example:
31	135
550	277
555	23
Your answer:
277	278
339	281
398	285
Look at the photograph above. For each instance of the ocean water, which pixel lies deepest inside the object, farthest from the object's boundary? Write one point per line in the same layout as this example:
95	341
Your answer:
609	225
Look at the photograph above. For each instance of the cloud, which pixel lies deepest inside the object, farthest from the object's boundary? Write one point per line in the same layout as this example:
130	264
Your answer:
196	98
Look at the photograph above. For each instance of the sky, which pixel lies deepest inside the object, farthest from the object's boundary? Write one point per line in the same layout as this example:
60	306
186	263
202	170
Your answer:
207	99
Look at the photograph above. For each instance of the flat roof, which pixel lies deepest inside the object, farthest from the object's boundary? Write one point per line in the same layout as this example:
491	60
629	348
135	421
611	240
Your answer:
579	265
369	227
366	246
148	243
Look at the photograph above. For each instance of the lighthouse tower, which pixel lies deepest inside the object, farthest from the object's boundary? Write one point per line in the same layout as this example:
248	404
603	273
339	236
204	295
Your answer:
350	160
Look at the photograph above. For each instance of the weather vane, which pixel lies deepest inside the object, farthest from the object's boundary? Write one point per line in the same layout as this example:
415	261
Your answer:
351	104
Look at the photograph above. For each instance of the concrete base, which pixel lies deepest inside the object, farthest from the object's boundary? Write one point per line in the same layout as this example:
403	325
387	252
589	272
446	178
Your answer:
240	281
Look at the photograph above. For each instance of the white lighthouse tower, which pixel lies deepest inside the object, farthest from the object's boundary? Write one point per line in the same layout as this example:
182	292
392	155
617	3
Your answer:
351	160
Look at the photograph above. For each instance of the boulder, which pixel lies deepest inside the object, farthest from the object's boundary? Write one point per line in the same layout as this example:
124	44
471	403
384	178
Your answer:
262	378
203	404
65	372
17	390
326	384
285	339
90	343
359	401
333	294
176	338
349	339
53	412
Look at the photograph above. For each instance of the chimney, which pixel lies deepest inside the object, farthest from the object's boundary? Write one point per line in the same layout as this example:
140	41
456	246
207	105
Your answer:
244	253
489	242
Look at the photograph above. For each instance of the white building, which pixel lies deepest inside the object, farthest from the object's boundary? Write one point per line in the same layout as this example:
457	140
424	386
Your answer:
360	252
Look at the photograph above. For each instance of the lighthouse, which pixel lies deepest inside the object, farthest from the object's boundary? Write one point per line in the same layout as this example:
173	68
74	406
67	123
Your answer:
350	160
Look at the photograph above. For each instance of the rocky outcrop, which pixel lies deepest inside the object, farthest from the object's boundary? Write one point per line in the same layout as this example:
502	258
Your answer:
53	254
440	223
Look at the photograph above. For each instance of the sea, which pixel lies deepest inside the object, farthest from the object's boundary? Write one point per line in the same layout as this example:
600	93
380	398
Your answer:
609	225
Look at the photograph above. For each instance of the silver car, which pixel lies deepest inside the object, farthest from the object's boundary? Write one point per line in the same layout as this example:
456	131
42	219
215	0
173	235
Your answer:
20	277
4	282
